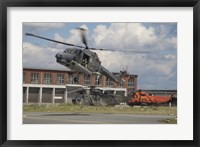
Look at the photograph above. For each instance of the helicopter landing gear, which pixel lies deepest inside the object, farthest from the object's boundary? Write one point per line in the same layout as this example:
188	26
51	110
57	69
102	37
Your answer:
82	99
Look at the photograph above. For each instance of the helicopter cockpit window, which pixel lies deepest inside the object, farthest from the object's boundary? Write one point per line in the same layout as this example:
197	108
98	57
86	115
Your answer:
78	51
72	50
69	50
66	50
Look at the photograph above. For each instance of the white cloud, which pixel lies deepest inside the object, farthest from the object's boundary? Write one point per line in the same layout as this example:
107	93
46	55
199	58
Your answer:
124	35
137	63
74	37
153	72
172	42
40	57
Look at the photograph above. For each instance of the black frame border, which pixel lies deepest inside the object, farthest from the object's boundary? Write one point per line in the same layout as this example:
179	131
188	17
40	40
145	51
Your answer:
4	4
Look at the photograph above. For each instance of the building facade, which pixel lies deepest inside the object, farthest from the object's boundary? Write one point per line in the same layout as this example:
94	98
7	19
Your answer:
62	77
48	86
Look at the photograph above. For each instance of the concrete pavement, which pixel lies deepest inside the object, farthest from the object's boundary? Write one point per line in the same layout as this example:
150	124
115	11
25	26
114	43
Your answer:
89	118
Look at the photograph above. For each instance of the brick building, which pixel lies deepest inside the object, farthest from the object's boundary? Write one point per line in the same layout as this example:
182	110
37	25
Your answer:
39	84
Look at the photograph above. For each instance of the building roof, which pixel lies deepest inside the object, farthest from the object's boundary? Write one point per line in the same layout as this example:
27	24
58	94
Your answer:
67	70
28	68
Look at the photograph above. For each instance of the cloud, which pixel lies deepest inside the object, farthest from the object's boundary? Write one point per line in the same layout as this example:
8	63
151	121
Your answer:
154	71
139	63
172	42
40	57
156	68
124	35
74	37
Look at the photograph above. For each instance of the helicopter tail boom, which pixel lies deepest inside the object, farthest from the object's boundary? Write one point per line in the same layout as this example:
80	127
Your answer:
119	77
108	74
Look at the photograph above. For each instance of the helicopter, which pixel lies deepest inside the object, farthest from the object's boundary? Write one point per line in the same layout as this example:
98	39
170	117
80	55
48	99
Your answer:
83	59
142	98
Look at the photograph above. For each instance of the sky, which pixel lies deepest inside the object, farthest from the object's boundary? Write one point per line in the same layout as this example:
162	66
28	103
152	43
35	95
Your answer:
155	59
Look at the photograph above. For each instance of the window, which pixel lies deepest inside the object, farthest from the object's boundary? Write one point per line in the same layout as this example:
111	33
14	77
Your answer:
66	51
109	82
121	84
47	78
130	83
60	79
72	51
86	80
34	78
98	80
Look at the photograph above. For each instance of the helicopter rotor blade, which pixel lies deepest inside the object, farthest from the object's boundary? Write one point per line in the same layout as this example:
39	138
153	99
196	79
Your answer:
83	36
33	35
84	41
128	51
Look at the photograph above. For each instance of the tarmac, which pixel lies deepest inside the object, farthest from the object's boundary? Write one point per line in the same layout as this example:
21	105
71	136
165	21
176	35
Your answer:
90	118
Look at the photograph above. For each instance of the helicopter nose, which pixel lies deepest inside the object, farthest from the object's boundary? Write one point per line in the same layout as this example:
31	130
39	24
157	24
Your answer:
68	57
58	55
64	58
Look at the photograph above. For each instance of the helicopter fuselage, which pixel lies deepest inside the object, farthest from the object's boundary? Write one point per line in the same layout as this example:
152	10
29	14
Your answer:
84	61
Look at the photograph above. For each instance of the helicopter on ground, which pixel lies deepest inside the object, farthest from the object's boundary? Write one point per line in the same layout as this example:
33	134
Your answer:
82	59
145	99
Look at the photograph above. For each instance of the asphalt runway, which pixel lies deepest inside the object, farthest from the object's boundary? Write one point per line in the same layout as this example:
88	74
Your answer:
90	118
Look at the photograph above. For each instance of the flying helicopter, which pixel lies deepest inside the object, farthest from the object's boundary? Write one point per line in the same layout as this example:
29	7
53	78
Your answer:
83	59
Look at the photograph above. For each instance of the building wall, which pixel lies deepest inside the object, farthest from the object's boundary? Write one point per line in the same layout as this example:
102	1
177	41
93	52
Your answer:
41	73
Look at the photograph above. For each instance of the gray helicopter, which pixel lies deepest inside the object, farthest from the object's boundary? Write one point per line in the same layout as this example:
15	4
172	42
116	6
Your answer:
82	59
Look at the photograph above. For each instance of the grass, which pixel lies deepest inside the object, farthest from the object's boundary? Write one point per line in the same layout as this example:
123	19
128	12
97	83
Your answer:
100	109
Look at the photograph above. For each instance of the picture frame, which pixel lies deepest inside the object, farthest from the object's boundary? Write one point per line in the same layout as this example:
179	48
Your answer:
195	4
